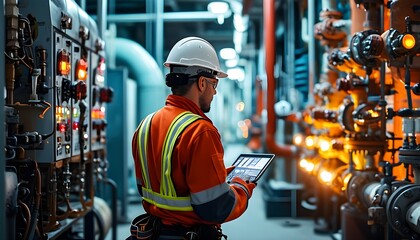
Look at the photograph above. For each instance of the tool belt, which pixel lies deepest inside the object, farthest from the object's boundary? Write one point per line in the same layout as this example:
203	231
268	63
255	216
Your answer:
148	227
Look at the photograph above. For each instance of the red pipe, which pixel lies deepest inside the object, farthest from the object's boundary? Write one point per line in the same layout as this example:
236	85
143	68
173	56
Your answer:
270	46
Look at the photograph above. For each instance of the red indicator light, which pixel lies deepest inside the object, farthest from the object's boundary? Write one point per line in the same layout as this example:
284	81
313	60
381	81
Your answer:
75	126
106	94
62	127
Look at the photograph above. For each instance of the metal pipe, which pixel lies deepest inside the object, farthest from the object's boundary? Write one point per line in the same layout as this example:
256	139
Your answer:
311	51
130	54
159	33
167	17
290	36
149	25
102	17
270	46
114	197
2	139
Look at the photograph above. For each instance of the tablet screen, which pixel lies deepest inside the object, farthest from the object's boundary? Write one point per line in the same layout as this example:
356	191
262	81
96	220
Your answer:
250	166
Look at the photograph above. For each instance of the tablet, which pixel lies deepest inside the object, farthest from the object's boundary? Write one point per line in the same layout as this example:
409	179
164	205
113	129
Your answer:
250	166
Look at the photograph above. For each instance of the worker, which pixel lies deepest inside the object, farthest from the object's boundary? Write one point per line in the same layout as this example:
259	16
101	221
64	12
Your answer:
178	155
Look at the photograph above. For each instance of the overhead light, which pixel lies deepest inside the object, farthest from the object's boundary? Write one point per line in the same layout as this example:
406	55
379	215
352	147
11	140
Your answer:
221	9
231	63
218	7
227	53
236	74
240	22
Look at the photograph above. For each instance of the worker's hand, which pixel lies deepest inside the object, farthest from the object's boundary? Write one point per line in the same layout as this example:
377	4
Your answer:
229	169
248	187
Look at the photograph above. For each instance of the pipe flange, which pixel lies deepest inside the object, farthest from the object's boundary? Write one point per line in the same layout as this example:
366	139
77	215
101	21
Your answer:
409	156
397	207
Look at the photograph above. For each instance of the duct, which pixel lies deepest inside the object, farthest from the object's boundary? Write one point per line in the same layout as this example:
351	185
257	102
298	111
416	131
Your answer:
269	23
151	91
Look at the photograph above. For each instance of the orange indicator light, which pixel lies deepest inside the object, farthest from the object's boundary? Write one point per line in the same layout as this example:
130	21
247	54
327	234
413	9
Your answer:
408	41
81	69
63	62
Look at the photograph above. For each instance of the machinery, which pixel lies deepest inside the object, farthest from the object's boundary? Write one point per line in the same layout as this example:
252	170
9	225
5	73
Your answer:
55	120
363	145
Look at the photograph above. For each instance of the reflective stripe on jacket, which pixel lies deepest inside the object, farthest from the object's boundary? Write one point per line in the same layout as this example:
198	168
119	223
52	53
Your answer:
167	197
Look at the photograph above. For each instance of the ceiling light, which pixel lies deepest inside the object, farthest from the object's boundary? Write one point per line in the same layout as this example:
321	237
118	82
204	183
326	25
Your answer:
240	22
218	7
221	9
236	74
231	63
227	53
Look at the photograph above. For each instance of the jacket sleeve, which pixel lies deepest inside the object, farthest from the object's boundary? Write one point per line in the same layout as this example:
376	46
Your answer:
212	198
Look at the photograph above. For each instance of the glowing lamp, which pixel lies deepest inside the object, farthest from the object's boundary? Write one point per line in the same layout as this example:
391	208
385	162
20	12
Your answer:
324	145
325	176
310	141
63	61
62	127
81	69
100	72
75	126
310	166
408	41
298	139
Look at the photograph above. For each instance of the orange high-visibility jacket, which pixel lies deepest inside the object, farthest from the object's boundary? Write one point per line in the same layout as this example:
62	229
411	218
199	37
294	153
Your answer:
197	169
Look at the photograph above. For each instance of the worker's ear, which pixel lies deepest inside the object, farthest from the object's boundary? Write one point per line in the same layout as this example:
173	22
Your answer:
200	83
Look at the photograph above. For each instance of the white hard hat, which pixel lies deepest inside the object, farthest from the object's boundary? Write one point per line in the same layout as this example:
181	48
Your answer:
195	52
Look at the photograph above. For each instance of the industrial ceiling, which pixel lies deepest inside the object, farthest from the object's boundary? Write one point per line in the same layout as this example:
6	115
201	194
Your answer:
158	24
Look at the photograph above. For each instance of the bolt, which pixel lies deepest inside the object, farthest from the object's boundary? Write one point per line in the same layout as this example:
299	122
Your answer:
396	210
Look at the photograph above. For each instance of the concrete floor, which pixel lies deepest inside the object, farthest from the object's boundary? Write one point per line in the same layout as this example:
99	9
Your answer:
253	224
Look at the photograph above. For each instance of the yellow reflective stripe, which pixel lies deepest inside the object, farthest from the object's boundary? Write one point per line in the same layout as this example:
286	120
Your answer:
167	202
179	124
143	134
167	198
164	183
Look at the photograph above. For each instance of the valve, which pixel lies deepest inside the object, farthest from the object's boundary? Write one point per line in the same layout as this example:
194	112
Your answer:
416	89
365	47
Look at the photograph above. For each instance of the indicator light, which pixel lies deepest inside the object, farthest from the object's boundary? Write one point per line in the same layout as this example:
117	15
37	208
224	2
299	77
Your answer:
100	72
408	41
75	126
106	94
81	70
63	62
62	127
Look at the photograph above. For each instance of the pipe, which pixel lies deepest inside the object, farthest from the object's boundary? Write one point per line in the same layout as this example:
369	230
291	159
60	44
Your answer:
269	35
311	51
102	17
114	197
145	71
166	16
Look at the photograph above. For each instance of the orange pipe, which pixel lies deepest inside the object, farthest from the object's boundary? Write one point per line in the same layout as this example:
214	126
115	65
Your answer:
270	46
259	96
